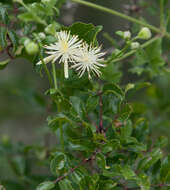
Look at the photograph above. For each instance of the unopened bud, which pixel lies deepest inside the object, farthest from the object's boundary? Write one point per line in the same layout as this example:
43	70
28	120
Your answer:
135	45
42	35
127	35
144	33
31	48
45	1
18	1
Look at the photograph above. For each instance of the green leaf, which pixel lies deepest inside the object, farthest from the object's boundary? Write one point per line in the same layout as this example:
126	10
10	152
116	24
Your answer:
125	112
150	159
143	181
161	142
46	185
14	39
165	168
76	104
127	172
4	15
77	176
129	86
86	32
111	73
18	165
26	17
3	35
92	103
53	121
58	163
126	130
101	162
65	185
154	50
3	64
60	3
52	28
113	89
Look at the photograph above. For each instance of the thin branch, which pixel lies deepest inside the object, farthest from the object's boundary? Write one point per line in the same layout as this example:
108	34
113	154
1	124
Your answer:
93	157
121	15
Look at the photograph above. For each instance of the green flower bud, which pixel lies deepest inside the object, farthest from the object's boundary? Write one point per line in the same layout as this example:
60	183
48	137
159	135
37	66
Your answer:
24	40
144	33
18	1
31	48
127	35
42	35
45	1
135	45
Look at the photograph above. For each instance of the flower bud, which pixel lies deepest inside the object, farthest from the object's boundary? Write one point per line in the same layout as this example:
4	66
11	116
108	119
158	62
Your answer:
144	33
18	1
41	35
45	1
135	45
127	35
31	48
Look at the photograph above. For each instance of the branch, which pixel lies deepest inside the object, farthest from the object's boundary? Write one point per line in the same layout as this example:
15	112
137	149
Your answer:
93	157
116	13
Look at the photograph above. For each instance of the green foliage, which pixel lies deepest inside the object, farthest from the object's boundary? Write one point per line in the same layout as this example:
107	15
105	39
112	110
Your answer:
103	130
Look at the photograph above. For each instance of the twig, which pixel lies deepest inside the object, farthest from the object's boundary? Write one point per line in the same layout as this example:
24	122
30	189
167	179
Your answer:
93	157
121	15
100	129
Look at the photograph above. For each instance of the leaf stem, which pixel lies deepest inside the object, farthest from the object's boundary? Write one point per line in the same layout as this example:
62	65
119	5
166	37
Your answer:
46	70
161	14
116	13
61	130
54	75
134	51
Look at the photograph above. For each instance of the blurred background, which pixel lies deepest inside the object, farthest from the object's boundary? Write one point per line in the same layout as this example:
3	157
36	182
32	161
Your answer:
23	105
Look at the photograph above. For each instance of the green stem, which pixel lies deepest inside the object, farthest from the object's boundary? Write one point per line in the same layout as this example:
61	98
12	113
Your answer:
116	13
109	38
134	51
54	75
46	70
61	132
33	14
161	14
61	136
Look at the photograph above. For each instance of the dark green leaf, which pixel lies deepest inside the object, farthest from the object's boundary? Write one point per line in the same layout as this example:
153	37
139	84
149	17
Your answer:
76	103
4	15
3	37
3	64
165	168
143	181
18	165
46	185
58	163
113	89
92	102
87	32
14	39
65	185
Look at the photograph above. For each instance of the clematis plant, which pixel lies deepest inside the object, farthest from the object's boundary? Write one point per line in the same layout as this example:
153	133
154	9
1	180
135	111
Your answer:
104	102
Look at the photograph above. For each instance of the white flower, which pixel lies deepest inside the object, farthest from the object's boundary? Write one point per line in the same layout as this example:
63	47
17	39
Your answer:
66	50
89	60
127	35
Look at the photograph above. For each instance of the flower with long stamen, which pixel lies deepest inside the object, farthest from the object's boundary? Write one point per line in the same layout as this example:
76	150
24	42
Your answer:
64	50
89	60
